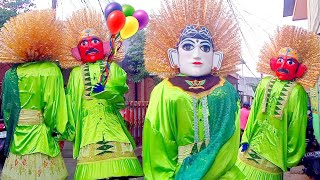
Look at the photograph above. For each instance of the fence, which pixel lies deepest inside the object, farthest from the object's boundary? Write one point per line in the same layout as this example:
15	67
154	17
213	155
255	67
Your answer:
134	115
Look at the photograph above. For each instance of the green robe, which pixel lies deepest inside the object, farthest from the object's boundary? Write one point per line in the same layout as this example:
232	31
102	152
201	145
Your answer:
102	145
41	91
172	149
278	134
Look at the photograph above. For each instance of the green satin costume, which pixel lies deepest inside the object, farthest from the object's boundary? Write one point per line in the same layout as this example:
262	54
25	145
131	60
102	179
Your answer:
171	147
276	129
43	111
40	89
103	146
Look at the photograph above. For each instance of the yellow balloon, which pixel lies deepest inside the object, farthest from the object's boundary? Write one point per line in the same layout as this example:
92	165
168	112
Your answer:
130	27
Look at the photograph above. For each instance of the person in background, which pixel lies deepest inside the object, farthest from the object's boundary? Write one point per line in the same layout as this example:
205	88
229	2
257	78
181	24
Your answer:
244	114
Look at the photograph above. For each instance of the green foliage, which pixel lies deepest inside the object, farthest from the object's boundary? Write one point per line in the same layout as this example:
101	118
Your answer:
5	15
134	59
9	8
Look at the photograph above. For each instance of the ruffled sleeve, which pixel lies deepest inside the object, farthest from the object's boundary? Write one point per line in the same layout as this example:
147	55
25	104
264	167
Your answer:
54	99
74	102
298	104
159	151
116	87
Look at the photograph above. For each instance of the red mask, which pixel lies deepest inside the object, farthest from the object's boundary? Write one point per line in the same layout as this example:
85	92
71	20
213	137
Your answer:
91	49
286	67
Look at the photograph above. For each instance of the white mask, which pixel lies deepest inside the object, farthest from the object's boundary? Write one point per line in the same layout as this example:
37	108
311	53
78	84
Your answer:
195	57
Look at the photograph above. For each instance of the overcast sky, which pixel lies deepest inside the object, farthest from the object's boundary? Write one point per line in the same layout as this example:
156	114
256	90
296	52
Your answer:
258	20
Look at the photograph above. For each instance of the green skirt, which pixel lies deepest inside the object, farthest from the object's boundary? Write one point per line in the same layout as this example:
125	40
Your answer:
34	166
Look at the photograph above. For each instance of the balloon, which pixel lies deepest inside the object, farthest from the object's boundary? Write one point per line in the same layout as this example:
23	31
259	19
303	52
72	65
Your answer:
130	28
112	7
116	20
142	18
127	10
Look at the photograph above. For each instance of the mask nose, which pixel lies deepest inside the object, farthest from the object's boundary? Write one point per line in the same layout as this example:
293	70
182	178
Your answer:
89	44
196	54
283	63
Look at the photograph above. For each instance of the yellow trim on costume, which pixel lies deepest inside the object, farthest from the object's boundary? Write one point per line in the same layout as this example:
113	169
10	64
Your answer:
258	161
90	153
30	117
199	95
185	151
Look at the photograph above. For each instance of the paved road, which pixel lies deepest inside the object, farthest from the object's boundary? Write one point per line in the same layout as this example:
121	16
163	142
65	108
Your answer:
69	161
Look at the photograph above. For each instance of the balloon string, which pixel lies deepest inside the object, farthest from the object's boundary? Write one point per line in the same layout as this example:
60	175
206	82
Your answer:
118	47
118	35
112	46
104	75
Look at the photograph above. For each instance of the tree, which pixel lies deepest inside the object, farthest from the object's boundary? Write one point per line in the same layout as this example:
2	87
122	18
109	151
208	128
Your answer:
134	59
9	8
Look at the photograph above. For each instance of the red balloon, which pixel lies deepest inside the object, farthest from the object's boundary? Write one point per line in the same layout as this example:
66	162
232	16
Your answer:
116	21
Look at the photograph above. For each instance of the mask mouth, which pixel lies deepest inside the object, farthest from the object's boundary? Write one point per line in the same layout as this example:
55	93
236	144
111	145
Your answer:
197	63
282	70
92	51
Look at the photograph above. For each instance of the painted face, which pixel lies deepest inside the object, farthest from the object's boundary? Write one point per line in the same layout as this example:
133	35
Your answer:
91	49
195	57
287	65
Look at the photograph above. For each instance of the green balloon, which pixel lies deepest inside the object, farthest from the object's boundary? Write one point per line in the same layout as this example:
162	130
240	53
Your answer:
127	10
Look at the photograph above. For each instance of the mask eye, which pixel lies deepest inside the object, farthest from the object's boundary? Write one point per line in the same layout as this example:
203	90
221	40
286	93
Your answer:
290	62
84	43
187	47
95	41
205	48
280	60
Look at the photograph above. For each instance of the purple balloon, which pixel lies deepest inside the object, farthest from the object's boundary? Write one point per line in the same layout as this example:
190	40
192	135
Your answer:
142	18
112	7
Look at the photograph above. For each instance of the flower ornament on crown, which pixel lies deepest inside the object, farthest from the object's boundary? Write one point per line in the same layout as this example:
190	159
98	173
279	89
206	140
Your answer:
88	32
289	52
196	31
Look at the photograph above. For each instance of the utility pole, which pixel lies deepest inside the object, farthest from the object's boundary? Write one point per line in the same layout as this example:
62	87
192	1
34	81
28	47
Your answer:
54	4
242	63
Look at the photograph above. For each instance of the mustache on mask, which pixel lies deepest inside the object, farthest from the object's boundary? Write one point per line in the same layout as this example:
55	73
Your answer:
283	70
91	50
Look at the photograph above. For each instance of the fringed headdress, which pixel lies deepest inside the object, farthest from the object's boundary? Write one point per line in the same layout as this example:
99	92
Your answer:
31	36
165	28
307	46
74	27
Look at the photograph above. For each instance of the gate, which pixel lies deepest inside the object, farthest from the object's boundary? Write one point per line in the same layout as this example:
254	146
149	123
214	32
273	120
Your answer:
134	115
